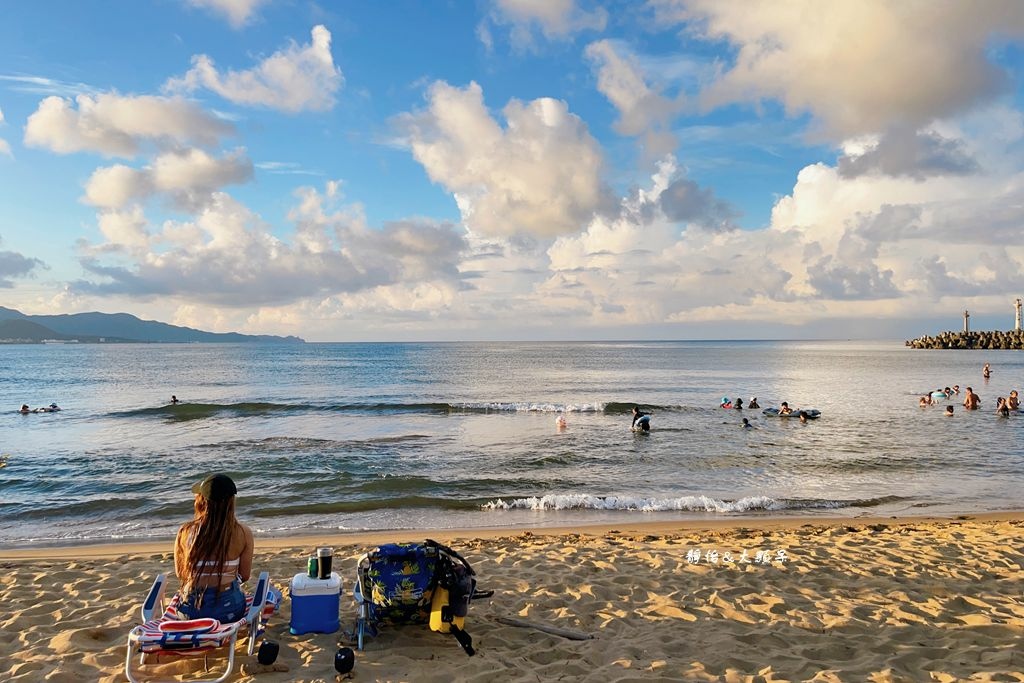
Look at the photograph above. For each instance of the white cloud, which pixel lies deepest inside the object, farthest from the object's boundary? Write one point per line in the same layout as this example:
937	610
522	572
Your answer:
858	67
227	255
188	176
112	187
555	19
294	79
540	175
642	110
5	147
43	85
119	125
237	12
125	228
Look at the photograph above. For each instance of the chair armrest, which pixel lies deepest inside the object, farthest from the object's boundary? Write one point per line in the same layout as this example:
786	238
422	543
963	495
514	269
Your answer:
154	601
259	597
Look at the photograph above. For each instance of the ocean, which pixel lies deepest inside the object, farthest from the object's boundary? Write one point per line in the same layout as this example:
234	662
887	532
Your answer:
349	437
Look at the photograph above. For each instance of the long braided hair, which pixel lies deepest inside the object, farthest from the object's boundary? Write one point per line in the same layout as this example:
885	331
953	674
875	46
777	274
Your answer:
207	539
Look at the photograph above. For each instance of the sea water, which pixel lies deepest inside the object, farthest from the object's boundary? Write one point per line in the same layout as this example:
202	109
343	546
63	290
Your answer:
346	437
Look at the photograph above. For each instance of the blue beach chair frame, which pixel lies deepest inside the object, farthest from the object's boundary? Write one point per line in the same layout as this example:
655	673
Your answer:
150	640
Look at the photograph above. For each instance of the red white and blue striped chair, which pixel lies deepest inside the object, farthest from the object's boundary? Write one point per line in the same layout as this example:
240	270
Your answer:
168	634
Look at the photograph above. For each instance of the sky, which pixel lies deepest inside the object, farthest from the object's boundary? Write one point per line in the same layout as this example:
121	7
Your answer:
516	169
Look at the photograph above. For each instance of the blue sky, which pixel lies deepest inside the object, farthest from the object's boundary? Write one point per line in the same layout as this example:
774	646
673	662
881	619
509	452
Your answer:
515	168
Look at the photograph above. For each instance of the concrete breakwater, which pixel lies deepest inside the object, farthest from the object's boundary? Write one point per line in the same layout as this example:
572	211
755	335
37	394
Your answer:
1014	339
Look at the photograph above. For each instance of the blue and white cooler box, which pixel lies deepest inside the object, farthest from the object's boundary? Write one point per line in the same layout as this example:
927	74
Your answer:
315	604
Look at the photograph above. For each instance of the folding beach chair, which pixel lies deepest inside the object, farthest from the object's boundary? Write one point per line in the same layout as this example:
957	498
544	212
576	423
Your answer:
415	583
164	633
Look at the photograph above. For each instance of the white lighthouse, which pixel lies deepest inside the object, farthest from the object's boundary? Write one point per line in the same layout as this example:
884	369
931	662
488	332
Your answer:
1017	324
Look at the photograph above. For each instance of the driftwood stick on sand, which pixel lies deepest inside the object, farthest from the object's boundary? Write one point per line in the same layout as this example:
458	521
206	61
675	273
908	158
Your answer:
554	630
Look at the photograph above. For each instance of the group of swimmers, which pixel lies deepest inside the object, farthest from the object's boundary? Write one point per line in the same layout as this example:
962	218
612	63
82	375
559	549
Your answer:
738	403
52	408
1004	405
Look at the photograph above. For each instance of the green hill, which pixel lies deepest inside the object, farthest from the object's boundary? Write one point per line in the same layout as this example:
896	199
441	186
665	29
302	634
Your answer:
112	327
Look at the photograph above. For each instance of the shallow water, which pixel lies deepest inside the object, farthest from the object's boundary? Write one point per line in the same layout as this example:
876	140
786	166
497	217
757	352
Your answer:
378	436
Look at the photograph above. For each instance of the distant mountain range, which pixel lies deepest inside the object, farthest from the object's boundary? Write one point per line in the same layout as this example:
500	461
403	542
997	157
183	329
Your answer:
16	327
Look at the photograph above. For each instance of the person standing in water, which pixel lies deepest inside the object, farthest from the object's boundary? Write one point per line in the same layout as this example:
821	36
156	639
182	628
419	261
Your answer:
971	400
174	400
986	371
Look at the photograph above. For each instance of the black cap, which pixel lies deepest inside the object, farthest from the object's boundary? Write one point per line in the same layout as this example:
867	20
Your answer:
215	487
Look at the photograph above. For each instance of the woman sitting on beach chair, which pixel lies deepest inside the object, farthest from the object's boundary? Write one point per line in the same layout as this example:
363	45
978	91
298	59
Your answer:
213	553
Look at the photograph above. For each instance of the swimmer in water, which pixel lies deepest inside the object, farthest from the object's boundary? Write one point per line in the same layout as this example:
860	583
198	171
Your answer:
24	409
753	403
174	400
646	424
746	424
785	409
949	411
971	400
560	422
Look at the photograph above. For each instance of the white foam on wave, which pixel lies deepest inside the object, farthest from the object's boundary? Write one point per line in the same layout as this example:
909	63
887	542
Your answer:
525	406
582	501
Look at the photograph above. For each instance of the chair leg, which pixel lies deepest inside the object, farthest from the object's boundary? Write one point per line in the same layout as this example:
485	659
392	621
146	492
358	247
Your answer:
361	627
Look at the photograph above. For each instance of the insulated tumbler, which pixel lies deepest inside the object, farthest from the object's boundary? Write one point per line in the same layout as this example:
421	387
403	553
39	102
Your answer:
324	558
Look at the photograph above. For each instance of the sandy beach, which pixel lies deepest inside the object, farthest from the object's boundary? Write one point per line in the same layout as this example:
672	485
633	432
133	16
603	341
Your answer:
768	600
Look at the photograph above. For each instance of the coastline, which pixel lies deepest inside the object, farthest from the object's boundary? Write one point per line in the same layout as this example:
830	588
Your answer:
870	598
376	537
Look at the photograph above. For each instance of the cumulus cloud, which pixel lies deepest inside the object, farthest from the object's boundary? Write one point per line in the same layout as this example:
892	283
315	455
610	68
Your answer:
127	228
237	12
540	175
905	152
642	110
15	265
228	256
642	267
189	177
119	125
857	67
297	78
554	19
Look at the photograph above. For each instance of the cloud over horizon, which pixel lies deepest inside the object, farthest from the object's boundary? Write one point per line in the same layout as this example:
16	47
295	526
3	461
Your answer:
227	255
628	170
